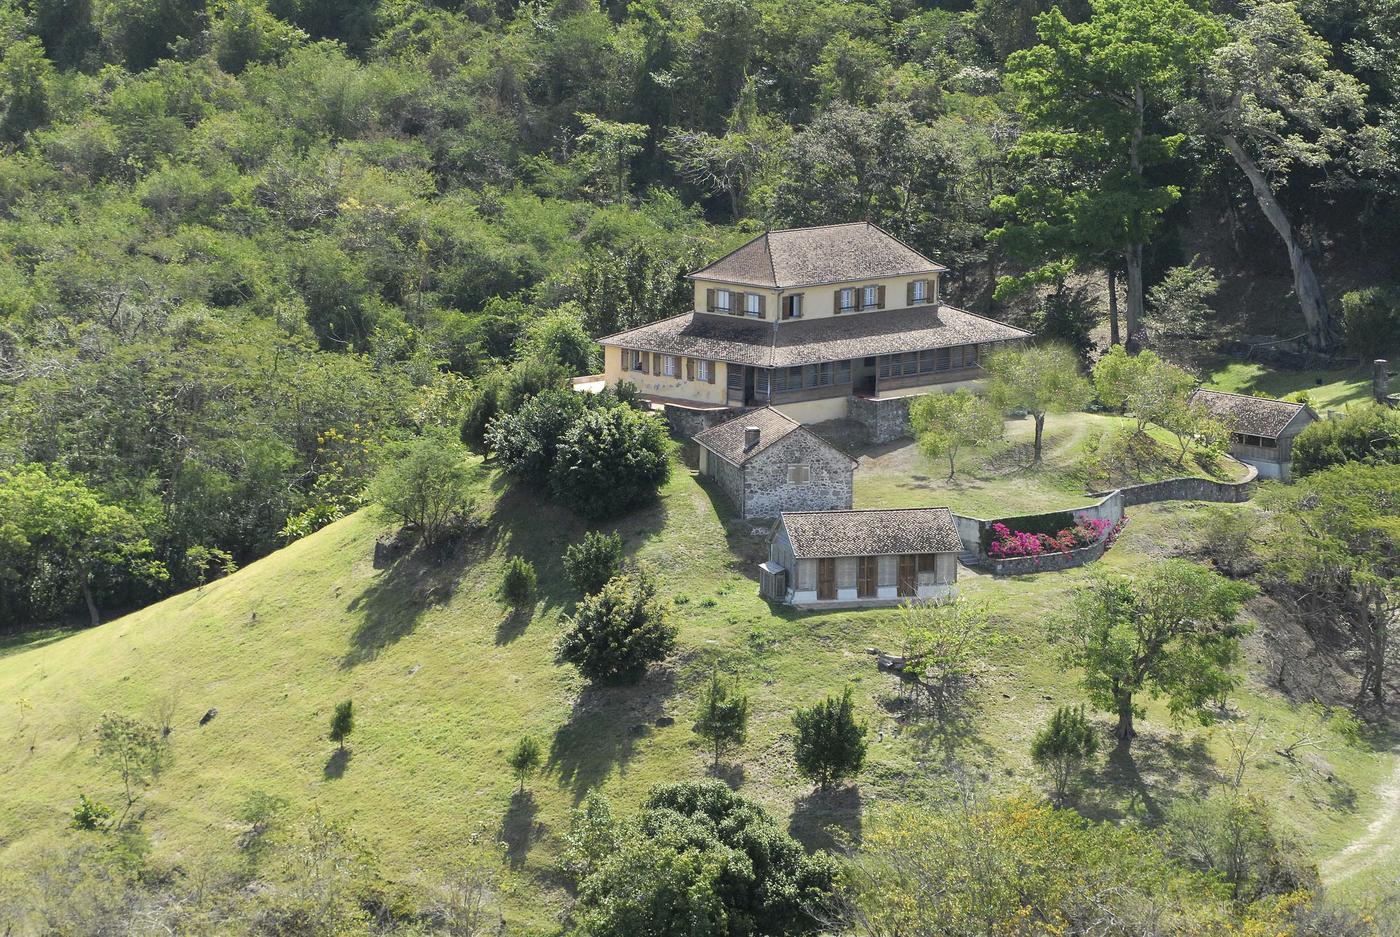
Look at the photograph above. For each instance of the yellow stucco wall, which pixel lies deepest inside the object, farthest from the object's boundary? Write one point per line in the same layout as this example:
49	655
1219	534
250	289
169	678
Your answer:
819	302
946	388
697	391
815	411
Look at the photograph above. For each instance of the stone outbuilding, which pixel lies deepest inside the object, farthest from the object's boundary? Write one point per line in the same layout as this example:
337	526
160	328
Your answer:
767	463
1261	428
825	559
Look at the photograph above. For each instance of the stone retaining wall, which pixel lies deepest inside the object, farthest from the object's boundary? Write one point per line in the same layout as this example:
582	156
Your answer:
1047	562
1190	489
687	421
886	419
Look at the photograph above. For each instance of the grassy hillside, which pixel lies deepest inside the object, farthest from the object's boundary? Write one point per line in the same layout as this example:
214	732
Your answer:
444	682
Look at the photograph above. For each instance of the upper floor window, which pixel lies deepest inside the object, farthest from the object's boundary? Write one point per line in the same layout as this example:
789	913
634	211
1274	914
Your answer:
798	474
724	300
869	297
845	299
920	293
753	304
792	306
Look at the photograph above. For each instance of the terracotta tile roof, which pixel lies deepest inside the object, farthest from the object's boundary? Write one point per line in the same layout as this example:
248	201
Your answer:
727	439
766	344
815	534
1257	416
838	253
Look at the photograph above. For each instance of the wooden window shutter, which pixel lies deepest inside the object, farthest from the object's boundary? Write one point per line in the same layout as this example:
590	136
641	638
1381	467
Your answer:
880	296
836	303
690	369
646	362
710	372
709	300
762	306
909	293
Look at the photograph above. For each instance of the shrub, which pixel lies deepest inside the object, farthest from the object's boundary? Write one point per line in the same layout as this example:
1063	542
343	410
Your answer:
1368	433
611	461
342	722
1371	320
519	582
524	441
593	561
425	487
616	633
91	814
1085	531
1063	746
723	717
524	759
830	743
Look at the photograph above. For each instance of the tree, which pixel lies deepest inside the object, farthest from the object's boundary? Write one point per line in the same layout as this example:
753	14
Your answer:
342	722
1039	380
55	531
525	440
1146	387
594	560
426	486
1193	424
1170	631
1063	746
1364	433
610	461
1087	92
519	582
606	148
1229	834
26	76
944	645
1269	98
133	749
723	717
830	743
1334	551
561	337
524	759
698	859
1178	319
945	423
244	32
616	633
1371	320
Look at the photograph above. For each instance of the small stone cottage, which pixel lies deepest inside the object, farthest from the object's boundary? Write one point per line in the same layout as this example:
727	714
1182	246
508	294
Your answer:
862	558
767	463
1261	428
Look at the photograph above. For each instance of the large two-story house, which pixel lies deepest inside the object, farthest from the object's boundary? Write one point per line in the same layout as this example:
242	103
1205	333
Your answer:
806	320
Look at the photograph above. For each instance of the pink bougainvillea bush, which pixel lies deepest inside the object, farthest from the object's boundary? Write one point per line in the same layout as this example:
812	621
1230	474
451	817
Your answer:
1086	531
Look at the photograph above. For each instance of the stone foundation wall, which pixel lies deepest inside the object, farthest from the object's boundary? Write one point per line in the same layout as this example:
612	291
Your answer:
1191	489
885	419
685	422
1047	562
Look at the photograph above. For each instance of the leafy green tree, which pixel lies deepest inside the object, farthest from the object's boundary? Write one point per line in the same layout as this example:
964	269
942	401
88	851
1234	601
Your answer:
1170	631
519	582
616	633
1334	549
610	461
54	528
342	722
1063	746
944	645
91	814
133	749
244	32
594	560
1193	425
138	33
26	76
607	148
1087	91
723	716
1366	433
698	859
524	759
426	488
634	284
525	441
1148	388
1179	310
1269	98
946	423
1039	380
1230	834
830	742
1371	320
561	337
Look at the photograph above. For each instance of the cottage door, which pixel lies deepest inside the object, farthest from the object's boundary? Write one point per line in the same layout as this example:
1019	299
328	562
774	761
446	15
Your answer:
865	578
826	579
908	574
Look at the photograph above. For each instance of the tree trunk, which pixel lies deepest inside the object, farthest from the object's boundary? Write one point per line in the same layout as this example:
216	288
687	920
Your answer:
1113	337
87	597
1306	285
1039	432
951	468
1124	731
1133	254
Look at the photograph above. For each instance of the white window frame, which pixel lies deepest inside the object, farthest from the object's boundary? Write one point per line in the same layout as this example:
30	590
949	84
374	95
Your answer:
751	304
847	292
869	297
670	364
636	362
921	291
724	300
702	369
799	473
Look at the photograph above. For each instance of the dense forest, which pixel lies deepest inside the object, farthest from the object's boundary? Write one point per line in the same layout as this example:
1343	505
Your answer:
246	248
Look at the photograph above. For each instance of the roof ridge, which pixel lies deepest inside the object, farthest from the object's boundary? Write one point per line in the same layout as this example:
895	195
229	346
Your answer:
723	257
1231	393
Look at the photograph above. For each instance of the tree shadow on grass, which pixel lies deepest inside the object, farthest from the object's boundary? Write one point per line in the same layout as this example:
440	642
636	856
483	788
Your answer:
513	624
946	728
519	828
829	819
337	764
733	775
605	727
1143	779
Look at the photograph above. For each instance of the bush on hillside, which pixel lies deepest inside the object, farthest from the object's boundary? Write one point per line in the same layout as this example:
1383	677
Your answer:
504	391
1371	320
611	461
1369	434
615	634
519	582
830	743
698	859
425	487
1063	746
594	560
525	440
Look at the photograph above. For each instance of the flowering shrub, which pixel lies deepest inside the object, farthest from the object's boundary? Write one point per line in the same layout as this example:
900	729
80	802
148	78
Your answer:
1085	532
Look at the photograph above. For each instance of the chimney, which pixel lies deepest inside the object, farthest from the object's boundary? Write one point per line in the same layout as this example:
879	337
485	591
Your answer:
1380	381
750	437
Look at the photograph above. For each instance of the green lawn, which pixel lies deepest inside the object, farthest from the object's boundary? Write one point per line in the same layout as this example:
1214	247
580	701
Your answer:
444	683
1325	389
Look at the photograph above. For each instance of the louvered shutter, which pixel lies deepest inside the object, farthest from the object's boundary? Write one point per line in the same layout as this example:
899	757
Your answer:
762	306
709	300
646	362
909	293
836	303
710	371
880	297
690	369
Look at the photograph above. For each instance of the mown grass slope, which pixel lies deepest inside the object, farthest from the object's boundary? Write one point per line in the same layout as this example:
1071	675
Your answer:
445	681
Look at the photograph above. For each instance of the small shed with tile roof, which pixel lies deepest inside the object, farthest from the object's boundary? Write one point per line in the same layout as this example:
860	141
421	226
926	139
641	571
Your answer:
1262	429
875	557
767	463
